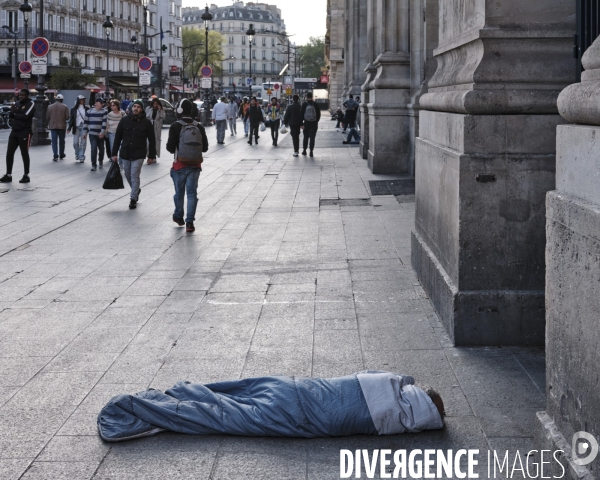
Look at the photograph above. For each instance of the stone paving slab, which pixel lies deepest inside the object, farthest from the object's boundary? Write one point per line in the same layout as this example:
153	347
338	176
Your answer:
97	300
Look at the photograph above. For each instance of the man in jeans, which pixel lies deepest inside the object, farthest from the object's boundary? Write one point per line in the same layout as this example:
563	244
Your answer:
220	114
95	126
76	124
311	114
185	171
135	135
293	119
57	116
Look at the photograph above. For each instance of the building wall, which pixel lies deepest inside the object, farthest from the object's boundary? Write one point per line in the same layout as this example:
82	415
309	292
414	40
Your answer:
334	48
232	22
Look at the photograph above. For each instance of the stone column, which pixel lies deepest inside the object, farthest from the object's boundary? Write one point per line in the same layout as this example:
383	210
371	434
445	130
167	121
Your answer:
389	143
370	70
356	46
572	273
485	159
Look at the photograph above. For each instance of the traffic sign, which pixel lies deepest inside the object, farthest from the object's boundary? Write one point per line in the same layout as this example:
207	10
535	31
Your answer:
145	63
276	86
206	71
145	77
288	80
248	81
25	67
26	75
288	91
206	82
269	92
39	65
40	47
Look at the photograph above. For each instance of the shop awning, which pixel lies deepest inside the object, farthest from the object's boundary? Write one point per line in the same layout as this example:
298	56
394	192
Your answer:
123	83
175	88
7	85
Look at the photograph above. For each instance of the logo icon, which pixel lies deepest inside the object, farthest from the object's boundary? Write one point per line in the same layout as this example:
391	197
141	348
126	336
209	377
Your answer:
584	448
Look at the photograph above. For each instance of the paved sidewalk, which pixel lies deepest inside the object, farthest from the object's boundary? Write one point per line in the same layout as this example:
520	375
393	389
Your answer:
279	278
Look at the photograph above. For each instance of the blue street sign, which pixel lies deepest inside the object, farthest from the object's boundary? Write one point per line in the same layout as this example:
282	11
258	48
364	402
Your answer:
40	47
248	81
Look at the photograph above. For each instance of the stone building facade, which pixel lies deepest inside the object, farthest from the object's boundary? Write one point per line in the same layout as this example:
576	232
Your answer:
334	51
232	22
78	40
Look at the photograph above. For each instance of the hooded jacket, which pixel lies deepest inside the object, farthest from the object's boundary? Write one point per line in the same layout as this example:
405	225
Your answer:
135	135
22	116
293	115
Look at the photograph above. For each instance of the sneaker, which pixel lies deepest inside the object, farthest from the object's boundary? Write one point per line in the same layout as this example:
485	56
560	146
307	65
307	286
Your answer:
303	152
81	160
245	134
100	165
311	154
179	221
295	154
25	179
6	179
93	169
250	142
55	159
345	142
132	204
189	227
62	157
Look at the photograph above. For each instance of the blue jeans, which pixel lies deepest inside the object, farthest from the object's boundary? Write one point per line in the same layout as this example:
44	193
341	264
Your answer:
58	142
97	148
354	134
186	180
79	144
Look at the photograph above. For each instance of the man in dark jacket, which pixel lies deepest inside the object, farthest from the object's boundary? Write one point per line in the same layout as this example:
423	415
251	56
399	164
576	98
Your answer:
311	114
135	134
21	114
293	120
255	116
185	172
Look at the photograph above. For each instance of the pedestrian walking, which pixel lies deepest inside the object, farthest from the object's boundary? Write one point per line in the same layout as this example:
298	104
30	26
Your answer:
76	124
95	126
187	141
232	112
220	114
293	120
112	122
21	115
255	117
310	123
57	116
274	117
125	104
156	114
134	141
242	111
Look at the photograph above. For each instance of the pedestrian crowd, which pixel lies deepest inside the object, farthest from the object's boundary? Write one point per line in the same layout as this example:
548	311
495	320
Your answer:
129	135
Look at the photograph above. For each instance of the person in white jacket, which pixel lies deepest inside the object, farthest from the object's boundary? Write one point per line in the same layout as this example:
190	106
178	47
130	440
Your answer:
220	114
233	113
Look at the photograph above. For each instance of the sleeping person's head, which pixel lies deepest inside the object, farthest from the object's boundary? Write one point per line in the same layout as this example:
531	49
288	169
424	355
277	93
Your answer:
435	398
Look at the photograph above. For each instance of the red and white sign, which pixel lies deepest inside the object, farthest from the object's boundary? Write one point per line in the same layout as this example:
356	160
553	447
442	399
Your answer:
25	67
206	71
276	86
324	78
145	63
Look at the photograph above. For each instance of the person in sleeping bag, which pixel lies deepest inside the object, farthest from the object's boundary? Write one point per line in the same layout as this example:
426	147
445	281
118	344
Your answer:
369	402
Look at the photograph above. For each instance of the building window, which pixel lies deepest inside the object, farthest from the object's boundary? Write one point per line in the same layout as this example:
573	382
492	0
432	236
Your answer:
272	68
242	28
98	62
264	40
73	26
243	67
254	54
264	68
264	54
231	68
231	40
87	61
243	53
230	81
244	40
272	41
272	55
231	26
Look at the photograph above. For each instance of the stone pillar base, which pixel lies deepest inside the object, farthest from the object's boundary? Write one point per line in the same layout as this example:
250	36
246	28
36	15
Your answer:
479	318
479	239
549	437
363	148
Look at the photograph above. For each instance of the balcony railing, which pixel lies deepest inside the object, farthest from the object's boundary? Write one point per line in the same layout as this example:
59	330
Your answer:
68	38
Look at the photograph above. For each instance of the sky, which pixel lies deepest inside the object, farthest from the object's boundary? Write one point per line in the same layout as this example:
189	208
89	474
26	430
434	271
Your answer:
304	18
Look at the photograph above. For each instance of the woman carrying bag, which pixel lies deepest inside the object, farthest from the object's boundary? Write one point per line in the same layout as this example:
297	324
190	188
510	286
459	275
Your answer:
112	121
274	117
156	115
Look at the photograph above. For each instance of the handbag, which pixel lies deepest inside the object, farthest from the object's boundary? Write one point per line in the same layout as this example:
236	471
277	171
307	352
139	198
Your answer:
283	130
263	127
114	180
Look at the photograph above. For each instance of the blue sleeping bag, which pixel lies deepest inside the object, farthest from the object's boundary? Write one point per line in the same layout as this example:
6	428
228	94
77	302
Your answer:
278	406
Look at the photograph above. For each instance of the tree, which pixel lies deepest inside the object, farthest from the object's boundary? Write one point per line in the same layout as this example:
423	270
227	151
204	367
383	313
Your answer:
194	52
313	57
70	79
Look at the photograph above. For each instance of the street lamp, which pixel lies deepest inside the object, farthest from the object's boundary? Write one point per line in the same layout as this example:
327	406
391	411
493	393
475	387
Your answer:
206	17
136	49
15	55
26	9
250	32
108	26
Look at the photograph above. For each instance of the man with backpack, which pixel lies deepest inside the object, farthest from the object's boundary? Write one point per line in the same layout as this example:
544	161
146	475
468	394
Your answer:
293	119
135	135
311	114
187	141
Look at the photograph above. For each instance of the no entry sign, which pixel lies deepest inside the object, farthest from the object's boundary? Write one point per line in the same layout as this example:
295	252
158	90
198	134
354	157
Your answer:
40	47
206	71
25	67
145	63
